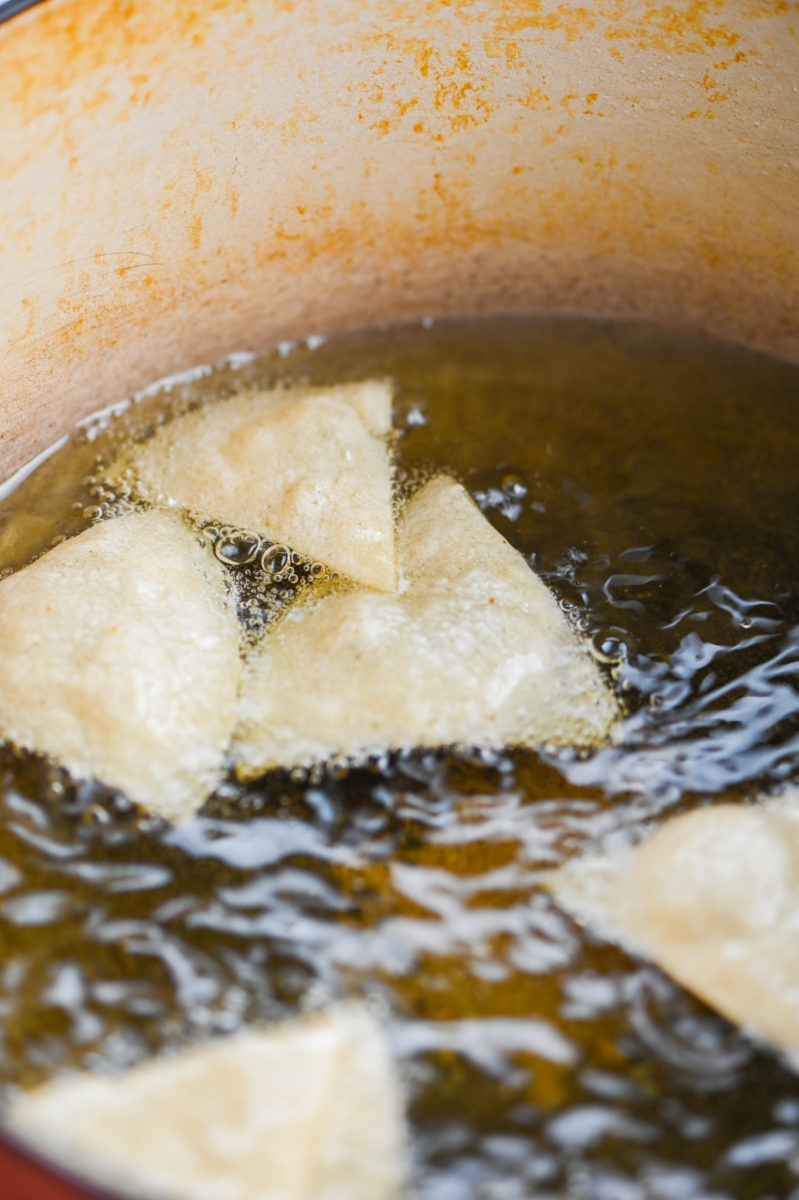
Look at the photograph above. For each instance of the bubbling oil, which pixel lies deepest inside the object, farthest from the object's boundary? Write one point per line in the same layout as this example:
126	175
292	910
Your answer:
652	481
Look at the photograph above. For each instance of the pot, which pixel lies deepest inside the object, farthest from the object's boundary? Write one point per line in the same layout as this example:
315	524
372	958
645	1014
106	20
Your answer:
181	181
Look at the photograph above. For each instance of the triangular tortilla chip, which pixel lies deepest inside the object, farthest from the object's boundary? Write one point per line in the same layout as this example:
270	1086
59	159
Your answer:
713	898
306	467
474	649
310	1110
119	658
370	399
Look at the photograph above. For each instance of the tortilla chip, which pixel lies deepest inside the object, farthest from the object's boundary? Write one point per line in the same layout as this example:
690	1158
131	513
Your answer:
119	658
712	898
304	467
310	1110
473	650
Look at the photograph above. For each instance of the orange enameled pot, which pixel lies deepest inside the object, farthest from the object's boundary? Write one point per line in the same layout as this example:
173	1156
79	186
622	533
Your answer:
183	180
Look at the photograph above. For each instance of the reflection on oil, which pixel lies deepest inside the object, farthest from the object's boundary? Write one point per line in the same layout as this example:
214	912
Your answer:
652	481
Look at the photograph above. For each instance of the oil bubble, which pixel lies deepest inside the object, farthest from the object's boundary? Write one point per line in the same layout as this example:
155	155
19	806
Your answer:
237	549
607	648
275	559
513	486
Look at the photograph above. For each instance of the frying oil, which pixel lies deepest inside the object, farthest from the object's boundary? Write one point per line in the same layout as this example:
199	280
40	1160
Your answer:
651	479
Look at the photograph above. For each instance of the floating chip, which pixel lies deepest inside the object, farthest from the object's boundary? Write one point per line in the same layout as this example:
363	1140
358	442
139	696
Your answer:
119	658
713	898
310	1110
472	650
308	467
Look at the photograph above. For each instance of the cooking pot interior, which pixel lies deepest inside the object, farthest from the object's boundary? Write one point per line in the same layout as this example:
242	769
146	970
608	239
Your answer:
180	182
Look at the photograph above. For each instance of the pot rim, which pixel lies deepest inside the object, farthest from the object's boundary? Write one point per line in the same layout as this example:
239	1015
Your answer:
28	1174
12	8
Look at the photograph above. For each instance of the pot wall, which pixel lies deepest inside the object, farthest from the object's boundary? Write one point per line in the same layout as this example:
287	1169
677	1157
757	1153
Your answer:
179	181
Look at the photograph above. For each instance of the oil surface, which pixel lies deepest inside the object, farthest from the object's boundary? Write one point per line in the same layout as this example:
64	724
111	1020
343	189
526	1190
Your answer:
653	482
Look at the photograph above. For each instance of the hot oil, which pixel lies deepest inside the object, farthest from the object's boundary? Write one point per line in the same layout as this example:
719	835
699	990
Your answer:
651	479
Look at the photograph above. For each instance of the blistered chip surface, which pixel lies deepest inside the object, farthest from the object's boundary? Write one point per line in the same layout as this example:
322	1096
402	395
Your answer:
119	658
308	467
473	649
713	898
